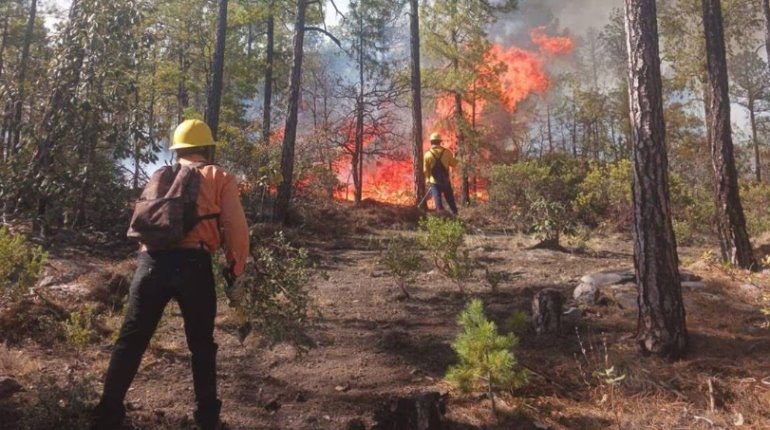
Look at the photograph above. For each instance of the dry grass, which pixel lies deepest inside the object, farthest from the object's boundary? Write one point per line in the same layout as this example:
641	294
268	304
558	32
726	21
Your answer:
15	362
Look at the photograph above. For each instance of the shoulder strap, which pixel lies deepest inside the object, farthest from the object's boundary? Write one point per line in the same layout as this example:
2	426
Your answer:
440	156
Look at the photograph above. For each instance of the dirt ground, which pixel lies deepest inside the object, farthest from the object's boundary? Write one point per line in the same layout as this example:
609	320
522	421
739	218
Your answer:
373	346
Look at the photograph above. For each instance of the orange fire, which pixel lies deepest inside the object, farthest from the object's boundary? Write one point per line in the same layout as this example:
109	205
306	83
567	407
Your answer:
523	73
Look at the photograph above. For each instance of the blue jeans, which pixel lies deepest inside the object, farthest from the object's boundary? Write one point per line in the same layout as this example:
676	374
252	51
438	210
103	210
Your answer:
446	190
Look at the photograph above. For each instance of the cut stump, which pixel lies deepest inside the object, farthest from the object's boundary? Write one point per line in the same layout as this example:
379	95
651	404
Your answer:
546	311
423	411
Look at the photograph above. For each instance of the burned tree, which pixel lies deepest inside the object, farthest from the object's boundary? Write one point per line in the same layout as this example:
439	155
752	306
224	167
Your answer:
661	325
416	84
215	92
731	222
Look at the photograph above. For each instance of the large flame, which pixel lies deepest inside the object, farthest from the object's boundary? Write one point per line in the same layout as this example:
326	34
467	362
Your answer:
523	74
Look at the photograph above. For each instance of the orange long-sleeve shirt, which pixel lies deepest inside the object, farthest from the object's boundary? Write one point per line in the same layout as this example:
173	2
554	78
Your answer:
218	194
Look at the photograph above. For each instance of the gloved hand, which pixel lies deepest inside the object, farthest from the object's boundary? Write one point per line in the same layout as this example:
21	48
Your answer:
235	293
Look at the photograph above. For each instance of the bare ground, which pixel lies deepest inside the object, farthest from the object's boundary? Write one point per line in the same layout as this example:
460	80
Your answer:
373	346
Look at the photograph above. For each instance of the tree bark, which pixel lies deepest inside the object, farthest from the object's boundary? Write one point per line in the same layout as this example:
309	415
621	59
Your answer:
731	223
754	139
281	207
661	323
3	42
217	74
358	151
21	77
268	96
417	148
766	9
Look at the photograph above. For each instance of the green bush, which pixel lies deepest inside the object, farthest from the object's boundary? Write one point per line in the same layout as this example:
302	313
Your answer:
756	205
444	238
605	195
273	292
60	407
486	358
77	329
402	261
21	264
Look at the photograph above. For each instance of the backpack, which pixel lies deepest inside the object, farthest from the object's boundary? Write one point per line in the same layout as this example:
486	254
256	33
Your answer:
168	207
438	171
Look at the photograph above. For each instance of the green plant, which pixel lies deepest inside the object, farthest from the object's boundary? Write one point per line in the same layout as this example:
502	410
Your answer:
272	292
494	278
21	264
596	367
77	329
517	322
444	239
550	220
605	195
60	407
486	358
402	262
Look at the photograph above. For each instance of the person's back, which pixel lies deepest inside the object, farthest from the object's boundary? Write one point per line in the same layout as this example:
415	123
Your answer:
436	167
183	271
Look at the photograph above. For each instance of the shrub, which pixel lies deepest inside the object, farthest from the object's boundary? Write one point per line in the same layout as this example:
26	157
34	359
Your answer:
273	292
402	262
56	407
486	357
444	238
77	329
21	264
605	195
756	204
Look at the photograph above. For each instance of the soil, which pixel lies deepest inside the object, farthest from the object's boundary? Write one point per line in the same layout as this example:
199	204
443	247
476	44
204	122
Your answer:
374	345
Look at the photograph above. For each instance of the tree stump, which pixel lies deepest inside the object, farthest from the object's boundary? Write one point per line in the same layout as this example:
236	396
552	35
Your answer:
546	311
423	411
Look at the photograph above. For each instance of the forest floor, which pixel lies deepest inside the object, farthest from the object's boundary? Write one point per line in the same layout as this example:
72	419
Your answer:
373	345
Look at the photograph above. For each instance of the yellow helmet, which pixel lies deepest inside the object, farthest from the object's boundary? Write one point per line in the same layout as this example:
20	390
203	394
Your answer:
435	137
192	133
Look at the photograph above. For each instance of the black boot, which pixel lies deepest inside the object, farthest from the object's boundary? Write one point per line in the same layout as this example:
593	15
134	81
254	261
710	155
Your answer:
108	416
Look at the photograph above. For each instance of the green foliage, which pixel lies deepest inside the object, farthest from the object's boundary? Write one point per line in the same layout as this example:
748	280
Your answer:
21	264
517	322
444	238
60	407
402	261
494	278
755	198
77	329
273	292
486	358
605	195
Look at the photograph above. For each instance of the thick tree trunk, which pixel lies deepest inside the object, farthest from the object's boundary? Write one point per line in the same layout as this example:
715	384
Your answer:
281	207
731	223
661	324
21	77
458	114
417	154
268	96
217	74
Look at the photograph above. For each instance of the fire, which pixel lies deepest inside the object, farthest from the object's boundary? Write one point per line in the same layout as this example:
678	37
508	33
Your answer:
523	74
558	45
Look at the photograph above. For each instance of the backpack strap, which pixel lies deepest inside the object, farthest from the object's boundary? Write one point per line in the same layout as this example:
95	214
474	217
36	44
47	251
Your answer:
441	155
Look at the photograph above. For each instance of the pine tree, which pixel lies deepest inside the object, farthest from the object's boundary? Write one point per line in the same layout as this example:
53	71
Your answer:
486	357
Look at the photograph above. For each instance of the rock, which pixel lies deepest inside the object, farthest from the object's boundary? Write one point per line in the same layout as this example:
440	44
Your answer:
687	276
608	277
546	311
418	412
586	294
272	405
300	397
342	388
750	291
693	285
8	387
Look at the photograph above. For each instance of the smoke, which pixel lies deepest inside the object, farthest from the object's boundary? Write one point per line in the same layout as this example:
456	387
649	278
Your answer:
574	17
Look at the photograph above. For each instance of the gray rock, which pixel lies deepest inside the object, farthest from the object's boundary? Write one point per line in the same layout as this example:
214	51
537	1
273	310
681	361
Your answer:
586	294
686	276
751	291
608	277
8	387
693	285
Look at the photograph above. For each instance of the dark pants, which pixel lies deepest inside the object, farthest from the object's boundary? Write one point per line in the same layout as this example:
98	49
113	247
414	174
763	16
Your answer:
446	190
185	275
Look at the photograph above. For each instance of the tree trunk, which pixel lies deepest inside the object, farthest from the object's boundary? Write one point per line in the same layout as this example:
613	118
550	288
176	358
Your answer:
731	223
546	311
358	153
281	207
766	9
461	149
661	323
755	139
215	94
3	42
268	96
417	154
21	77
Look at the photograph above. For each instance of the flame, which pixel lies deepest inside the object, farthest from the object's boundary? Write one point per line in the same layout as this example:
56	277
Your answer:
523	74
556	45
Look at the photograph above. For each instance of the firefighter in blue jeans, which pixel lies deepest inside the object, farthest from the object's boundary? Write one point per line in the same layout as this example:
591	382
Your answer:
436	164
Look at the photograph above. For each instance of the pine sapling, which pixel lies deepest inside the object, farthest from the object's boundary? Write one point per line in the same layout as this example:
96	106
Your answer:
486	357
402	262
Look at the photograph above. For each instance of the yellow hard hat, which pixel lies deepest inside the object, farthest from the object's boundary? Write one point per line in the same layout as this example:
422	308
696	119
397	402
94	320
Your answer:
435	137
192	133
